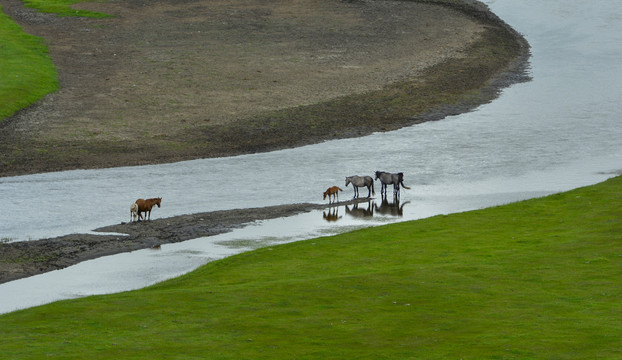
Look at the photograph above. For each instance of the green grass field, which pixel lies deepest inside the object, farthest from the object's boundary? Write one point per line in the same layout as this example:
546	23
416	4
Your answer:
26	71
63	8
539	279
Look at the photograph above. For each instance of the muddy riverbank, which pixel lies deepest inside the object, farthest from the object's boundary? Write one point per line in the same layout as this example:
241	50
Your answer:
26	258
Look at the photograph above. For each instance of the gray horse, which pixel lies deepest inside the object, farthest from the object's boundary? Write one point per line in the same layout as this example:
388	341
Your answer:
390	179
360	181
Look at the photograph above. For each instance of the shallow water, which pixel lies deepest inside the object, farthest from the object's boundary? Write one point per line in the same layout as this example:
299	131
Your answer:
560	131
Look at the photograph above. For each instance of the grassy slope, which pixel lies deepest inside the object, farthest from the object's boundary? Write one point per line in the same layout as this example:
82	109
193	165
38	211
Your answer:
62	8
26	71
535	279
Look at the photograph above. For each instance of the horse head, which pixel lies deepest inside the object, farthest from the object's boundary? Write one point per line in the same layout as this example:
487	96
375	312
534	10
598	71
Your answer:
347	181
158	201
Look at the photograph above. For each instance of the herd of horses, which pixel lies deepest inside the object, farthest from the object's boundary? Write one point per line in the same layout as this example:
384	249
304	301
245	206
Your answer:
386	179
144	206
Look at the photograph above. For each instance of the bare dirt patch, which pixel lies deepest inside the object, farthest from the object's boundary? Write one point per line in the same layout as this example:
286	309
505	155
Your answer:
166	81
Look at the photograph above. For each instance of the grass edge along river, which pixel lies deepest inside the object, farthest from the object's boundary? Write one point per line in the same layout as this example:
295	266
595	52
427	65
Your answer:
535	279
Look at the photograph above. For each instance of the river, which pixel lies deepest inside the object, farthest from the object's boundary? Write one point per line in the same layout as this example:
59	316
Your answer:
557	132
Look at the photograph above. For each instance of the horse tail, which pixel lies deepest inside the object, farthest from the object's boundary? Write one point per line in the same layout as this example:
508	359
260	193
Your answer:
373	192
340	189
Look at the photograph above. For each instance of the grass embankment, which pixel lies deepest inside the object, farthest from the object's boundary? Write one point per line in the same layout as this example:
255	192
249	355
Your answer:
63	8
26	71
535	279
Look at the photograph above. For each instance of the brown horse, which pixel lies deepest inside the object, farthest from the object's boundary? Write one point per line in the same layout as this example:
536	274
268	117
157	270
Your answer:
144	206
333	192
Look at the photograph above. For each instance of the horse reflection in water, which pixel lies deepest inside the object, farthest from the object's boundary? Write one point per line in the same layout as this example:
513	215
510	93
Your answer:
332	214
361	181
362	211
355	211
390	208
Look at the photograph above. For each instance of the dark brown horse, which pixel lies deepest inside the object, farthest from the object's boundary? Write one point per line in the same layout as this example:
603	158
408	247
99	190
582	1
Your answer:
144	206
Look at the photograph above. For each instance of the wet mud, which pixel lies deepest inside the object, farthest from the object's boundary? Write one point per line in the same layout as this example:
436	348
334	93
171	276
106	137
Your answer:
26	258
